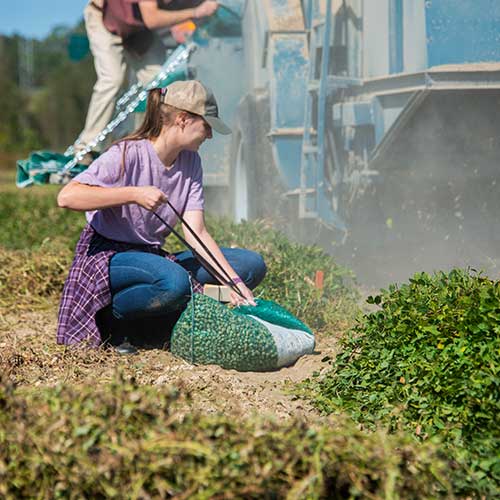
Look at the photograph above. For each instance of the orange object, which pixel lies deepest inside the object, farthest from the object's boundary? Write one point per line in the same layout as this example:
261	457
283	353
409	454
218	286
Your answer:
182	30
318	280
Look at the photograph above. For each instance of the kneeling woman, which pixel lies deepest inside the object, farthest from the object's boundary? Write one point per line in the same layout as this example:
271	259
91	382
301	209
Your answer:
119	263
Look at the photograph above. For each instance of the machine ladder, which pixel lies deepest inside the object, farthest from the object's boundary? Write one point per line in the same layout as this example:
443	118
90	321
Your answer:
314	190
313	144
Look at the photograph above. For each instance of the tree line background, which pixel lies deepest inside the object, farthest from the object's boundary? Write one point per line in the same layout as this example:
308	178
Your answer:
50	111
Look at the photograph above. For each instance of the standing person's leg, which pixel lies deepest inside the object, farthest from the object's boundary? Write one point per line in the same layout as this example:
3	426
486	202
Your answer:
249	266
146	285
110	67
147	66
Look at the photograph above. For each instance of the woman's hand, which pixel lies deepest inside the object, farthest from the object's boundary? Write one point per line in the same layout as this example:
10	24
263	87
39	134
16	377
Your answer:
149	197
238	300
205	9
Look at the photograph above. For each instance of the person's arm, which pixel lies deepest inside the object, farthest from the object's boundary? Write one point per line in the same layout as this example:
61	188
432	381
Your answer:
155	18
77	196
196	220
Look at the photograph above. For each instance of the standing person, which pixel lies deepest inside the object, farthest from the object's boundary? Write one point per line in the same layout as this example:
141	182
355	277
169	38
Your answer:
121	34
119	259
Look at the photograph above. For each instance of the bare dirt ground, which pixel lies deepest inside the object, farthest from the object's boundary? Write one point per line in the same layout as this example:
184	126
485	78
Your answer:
30	357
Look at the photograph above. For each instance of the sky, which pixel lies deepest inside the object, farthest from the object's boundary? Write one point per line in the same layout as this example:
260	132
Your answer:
36	18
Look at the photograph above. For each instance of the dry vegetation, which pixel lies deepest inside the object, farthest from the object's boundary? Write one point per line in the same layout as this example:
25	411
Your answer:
86	423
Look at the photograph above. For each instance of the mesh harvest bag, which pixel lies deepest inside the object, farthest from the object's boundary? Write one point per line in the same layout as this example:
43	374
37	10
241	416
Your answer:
246	338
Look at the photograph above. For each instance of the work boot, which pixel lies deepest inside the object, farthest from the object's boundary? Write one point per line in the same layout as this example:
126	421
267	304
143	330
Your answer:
126	348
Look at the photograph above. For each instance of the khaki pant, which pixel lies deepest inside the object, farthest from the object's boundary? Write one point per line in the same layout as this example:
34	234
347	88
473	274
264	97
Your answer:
111	62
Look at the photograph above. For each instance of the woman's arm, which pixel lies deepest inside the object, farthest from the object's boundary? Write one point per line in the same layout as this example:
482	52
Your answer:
196	220
155	18
77	196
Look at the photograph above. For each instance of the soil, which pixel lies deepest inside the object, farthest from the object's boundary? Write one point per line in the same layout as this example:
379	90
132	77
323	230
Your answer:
30	357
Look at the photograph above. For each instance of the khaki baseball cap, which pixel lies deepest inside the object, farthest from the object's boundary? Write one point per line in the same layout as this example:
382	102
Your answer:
193	96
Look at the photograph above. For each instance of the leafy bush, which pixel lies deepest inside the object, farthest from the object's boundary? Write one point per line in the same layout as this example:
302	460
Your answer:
127	441
428	360
31	220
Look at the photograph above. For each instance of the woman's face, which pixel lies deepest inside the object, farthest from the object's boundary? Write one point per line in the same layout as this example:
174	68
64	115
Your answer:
195	131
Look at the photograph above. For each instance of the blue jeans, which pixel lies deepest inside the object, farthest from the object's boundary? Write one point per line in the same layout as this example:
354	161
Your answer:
146	285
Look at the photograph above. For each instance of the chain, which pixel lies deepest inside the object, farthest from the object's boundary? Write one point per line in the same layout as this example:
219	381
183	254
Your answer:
129	102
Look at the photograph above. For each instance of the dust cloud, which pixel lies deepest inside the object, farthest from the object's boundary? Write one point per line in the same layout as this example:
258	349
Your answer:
436	203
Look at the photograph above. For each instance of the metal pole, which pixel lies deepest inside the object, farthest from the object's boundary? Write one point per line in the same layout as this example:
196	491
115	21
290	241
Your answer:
323	87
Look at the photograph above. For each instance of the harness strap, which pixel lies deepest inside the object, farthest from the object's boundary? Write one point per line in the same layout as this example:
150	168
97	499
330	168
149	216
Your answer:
206	265
198	239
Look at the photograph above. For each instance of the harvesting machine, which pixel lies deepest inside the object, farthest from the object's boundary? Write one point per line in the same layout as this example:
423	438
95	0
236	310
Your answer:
369	125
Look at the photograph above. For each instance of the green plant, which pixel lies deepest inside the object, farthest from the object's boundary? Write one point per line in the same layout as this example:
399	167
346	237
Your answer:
429	361
30	218
122	440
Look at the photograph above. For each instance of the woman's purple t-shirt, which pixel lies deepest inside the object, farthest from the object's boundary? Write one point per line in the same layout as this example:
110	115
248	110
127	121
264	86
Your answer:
182	184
